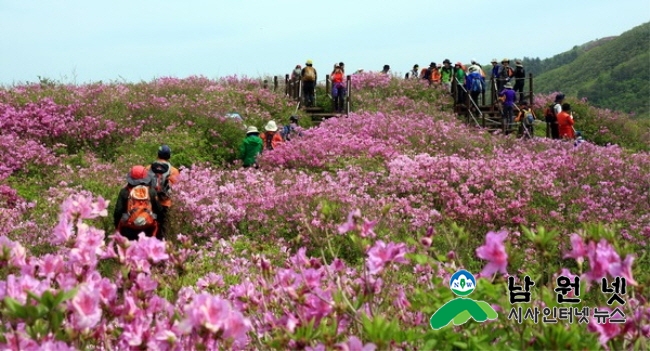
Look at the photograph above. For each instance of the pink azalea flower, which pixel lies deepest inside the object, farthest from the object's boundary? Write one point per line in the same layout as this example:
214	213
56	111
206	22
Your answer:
85	306
351	223
601	256
354	344
578	248
605	331
382	254
215	315
495	252
623	269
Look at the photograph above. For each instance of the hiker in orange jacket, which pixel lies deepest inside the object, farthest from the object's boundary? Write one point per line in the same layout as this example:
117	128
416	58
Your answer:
163	176
271	139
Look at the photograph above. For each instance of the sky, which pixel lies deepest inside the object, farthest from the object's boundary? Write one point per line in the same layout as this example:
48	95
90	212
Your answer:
78	42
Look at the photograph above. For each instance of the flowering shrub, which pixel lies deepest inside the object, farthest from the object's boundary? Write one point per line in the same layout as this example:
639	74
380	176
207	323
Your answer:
345	239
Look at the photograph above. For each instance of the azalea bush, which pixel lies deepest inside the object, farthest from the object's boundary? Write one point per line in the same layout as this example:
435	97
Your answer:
346	238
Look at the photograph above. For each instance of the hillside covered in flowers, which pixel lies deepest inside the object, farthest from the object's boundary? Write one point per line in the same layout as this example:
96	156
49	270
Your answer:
346	238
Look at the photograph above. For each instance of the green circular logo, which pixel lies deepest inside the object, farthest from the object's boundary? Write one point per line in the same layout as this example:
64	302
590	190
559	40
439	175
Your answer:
462	283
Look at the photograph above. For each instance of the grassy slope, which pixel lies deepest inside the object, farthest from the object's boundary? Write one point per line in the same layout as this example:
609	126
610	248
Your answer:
613	75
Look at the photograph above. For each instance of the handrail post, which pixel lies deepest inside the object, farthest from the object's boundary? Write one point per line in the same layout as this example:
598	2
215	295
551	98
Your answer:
530	89
347	95
327	85
275	83
286	85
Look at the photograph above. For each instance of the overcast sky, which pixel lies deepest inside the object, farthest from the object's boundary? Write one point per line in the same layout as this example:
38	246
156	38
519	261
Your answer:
76	41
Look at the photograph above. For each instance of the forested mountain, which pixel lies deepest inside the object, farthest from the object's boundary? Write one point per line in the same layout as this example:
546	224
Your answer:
612	72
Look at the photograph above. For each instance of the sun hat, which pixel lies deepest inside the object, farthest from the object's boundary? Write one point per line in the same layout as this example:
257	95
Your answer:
494	60
251	129
309	62
505	60
508	85
446	61
518	62
271	126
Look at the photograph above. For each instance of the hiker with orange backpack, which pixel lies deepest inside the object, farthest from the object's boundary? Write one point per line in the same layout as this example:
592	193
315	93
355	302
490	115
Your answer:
163	176
136	208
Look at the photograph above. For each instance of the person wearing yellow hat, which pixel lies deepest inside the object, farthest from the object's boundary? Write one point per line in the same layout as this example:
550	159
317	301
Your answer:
309	78
505	74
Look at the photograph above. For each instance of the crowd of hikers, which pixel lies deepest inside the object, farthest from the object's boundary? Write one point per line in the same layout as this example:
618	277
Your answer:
508	83
144	202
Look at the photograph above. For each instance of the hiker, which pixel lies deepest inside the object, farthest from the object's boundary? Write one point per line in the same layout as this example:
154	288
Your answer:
163	177
136	208
427	73
271	138
291	129
505	74
479	68
386	70
579	139
475	84
459	75
526	117
565	122
507	97
495	73
520	80
446	75
338	89
295	75
309	77
415	72
250	147
550	116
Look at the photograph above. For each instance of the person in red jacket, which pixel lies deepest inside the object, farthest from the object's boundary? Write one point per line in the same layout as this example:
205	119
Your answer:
565	122
271	138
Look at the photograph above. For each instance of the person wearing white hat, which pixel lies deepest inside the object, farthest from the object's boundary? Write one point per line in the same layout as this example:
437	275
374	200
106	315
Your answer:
250	147
271	138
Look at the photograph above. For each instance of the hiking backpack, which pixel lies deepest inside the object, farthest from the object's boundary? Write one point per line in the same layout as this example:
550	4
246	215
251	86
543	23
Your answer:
309	75
529	119
477	85
139	210
427	74
159	173
268	140
549	114
286	132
